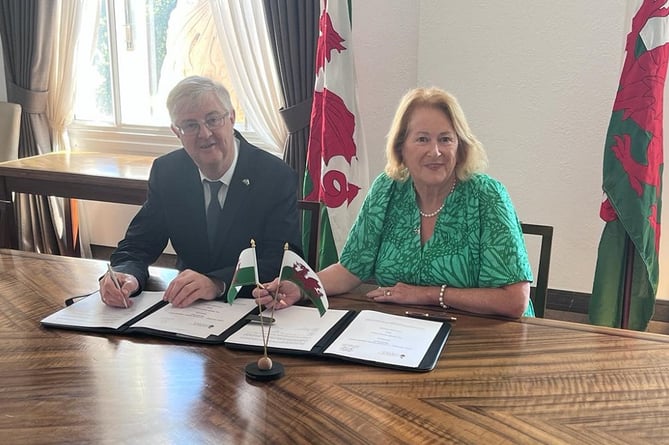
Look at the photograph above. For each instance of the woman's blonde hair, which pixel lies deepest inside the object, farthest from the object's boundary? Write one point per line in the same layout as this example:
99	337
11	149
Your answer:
471	157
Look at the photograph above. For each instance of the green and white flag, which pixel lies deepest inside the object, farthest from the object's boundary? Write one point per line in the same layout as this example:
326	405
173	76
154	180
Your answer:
246	273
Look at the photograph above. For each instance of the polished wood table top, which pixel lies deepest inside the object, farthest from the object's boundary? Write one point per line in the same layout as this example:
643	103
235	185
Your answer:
497	381
107	177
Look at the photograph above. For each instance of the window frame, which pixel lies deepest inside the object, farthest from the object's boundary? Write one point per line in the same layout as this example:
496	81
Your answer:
86	135
144	140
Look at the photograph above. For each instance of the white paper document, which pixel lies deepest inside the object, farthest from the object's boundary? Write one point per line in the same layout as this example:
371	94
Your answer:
385	338
201	319
91	312
296	328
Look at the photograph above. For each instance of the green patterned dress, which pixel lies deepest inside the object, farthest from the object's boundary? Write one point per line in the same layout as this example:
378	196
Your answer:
477	240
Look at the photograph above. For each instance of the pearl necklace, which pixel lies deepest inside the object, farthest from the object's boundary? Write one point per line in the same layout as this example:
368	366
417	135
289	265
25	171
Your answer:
436	212
430	215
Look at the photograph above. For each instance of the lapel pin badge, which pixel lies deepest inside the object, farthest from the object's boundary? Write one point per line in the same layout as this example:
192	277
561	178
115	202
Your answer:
246	181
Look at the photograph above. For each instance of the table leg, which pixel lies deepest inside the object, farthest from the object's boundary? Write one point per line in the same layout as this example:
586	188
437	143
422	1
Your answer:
71	240
8	227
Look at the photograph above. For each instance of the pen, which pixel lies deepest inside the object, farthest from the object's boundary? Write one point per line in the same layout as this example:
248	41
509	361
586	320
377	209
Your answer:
426	316
112	275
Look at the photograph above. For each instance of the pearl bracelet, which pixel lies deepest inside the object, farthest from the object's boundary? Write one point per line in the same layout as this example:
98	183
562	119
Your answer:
441	297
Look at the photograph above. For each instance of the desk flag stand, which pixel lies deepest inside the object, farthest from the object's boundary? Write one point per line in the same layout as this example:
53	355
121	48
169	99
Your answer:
293	269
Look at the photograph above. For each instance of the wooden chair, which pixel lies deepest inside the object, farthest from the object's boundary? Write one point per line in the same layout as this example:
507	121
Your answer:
311	214
10	128
540	289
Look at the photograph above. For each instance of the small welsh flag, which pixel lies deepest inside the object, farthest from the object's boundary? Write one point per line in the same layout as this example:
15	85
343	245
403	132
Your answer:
296	270
246	272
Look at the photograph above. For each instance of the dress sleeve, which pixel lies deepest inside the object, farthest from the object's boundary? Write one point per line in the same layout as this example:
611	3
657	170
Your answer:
504	257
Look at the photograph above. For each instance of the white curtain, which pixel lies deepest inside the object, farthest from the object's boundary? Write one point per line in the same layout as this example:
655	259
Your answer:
73	36
246	48
192	48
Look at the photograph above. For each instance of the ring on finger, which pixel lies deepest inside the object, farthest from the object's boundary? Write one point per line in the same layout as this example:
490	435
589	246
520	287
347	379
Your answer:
388	293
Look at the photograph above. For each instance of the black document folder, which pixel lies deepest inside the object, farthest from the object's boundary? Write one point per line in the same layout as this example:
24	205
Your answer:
368	337
204	321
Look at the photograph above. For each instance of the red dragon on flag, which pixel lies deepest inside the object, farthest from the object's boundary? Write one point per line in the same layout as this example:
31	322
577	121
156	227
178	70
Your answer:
296	270
336	171
632	180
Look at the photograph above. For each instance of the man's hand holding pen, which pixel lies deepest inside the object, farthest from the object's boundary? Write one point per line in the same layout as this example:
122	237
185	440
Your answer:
115	287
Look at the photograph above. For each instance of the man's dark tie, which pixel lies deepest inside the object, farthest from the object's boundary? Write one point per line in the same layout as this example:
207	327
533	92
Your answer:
214	208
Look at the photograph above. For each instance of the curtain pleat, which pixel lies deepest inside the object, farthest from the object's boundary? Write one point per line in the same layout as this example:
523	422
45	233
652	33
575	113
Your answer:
31	30
73	47
27	36
245	45
293	32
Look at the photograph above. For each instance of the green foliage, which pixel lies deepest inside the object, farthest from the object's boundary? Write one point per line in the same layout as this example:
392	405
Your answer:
161	16
161	10
101	60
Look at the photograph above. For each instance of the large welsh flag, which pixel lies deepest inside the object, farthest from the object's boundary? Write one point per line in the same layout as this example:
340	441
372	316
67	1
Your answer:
336	172
632	182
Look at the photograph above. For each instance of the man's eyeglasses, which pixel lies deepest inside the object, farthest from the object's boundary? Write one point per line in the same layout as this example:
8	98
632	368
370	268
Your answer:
192	127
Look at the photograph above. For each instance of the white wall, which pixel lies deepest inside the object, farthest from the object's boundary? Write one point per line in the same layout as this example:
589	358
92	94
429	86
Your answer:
537	82
536	79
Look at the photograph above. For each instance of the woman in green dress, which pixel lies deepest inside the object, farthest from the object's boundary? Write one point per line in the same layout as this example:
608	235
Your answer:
434	229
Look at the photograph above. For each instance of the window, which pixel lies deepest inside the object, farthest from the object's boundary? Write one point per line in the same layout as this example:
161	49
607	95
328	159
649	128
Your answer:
142	49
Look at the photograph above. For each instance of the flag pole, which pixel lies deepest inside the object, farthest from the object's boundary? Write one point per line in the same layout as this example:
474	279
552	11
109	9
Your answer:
628	276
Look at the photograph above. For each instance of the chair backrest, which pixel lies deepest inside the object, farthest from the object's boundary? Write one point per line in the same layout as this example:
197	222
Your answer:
540	289
10	128
310	215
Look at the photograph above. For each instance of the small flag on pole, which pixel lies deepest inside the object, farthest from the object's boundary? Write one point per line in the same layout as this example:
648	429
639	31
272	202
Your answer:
296	270
246	272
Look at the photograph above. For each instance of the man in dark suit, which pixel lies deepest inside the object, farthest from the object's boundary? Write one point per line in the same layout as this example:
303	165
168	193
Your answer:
252	195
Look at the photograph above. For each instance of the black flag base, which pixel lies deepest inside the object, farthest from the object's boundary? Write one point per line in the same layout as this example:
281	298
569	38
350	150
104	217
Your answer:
264	375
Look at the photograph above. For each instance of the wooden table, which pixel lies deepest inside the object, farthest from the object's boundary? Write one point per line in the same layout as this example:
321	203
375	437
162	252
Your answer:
497	381
108	177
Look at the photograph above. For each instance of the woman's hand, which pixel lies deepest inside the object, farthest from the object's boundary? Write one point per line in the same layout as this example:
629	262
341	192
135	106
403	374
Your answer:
287	293
509	301
400	293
